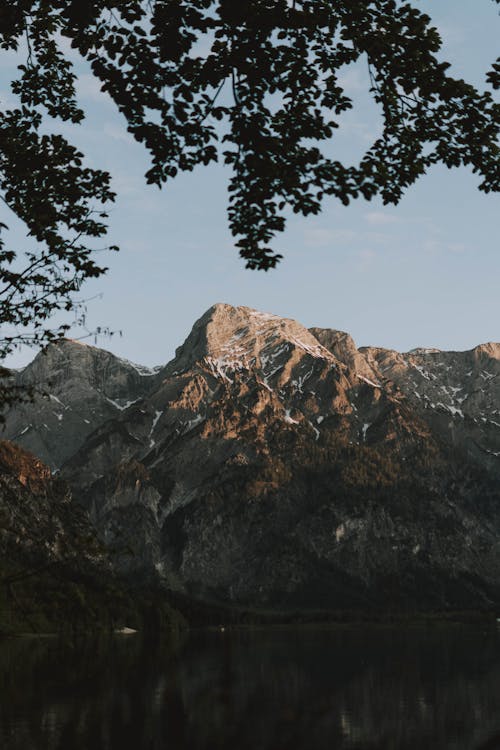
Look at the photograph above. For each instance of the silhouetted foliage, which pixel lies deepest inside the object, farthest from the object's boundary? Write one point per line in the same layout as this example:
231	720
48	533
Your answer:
254	83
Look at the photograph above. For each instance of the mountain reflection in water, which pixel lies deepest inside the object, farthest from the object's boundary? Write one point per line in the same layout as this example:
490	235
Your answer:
274	689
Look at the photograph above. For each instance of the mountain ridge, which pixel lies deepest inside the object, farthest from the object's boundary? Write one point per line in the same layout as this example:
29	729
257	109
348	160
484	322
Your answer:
271	464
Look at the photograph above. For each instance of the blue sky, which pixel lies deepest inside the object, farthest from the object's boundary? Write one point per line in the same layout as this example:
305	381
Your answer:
424	273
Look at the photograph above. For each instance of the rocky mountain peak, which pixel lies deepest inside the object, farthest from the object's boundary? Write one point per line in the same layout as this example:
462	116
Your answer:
489	350
342	346
270	463
243	337
424	350
66	360
77	387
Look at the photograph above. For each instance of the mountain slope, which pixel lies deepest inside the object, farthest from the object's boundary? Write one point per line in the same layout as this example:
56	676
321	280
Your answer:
55	574
273	466
77	387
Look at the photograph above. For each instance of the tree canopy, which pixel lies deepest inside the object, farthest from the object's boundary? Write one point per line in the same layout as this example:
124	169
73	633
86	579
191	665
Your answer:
254	83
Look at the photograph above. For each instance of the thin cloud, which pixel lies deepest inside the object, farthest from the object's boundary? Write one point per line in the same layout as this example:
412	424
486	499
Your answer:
320	237
438	247
381	218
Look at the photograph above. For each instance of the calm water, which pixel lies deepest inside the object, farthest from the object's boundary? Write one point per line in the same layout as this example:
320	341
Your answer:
358	688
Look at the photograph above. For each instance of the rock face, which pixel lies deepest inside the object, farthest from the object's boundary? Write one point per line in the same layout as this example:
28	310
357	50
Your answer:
278	467
77	388
457	393
53	569
55	573
39	524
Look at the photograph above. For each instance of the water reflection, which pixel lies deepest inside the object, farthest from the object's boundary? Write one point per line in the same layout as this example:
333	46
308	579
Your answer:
345	689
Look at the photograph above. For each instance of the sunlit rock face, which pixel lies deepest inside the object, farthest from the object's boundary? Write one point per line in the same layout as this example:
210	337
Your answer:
457	393
40	527
278	467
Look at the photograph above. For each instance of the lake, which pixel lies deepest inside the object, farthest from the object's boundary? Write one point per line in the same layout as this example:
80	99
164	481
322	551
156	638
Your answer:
346	688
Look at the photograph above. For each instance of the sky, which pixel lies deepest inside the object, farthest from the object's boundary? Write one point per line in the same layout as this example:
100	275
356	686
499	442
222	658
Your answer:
424	273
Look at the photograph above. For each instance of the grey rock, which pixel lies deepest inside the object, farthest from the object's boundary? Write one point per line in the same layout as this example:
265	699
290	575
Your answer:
77	388
279	467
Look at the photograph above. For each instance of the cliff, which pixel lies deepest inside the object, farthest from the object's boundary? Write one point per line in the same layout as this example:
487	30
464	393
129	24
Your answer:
273	467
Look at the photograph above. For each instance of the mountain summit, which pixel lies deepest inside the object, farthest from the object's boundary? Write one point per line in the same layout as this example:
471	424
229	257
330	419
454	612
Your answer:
240	337
268	465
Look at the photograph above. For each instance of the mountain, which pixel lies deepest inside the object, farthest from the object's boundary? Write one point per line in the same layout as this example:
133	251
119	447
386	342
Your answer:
274	467
458	393
51	562
55	574
77	387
